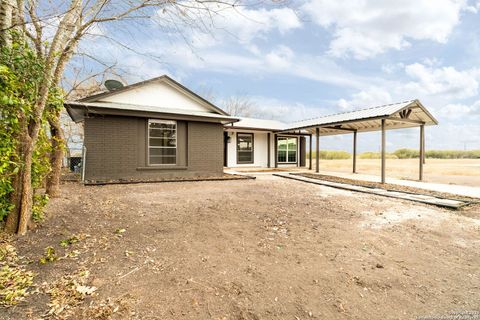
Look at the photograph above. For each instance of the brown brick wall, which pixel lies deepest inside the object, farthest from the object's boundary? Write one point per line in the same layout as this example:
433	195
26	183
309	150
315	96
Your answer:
116	149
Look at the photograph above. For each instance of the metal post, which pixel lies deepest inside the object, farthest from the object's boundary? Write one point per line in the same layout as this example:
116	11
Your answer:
268	149
310	153
275	148
317	154
422	153
383	150
355	152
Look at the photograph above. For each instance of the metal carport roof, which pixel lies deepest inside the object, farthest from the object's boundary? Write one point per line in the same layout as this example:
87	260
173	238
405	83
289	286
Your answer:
397	115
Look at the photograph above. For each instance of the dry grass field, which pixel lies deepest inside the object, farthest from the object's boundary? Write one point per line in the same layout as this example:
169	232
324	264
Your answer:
455	171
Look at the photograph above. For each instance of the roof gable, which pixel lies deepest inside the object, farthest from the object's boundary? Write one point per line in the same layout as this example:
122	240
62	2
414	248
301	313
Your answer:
162	92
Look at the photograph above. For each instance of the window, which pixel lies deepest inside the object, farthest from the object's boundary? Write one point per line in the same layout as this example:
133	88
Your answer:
162	142
244	147
287	150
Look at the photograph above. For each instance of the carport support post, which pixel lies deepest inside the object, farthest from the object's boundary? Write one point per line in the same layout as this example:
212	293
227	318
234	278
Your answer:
275	150
310	153
317	153
354	151
383	150
268	149
422	152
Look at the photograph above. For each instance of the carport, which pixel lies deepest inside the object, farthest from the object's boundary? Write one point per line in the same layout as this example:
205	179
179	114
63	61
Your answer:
401	115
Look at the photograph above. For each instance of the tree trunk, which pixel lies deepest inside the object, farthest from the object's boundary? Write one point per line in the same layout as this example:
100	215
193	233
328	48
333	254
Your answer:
56	157
26	194
11	225
6	21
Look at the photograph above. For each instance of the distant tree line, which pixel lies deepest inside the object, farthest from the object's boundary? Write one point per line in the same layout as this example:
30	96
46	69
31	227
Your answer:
402	154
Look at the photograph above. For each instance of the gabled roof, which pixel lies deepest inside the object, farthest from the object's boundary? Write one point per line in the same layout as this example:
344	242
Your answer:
77	111
163	78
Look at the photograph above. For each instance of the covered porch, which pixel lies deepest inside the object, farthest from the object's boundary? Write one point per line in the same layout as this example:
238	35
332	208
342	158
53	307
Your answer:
402	115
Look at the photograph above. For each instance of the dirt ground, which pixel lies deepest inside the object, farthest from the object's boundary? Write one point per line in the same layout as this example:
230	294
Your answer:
453	171
269	248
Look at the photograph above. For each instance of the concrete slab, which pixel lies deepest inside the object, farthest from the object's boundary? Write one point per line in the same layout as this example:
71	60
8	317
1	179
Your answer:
422	198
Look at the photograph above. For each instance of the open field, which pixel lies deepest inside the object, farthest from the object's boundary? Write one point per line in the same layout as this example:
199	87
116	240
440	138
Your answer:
269	248
452	171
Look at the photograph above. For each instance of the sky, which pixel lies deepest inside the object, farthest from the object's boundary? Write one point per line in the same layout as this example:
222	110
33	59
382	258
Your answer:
303	59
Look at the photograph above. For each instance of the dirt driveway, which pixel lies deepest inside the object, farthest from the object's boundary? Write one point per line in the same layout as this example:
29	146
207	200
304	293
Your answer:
269	248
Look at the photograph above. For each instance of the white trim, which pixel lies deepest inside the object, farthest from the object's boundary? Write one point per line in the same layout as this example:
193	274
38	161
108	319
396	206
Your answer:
161	147
287	150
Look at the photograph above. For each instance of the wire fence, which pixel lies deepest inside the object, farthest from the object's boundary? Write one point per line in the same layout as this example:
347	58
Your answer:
75	160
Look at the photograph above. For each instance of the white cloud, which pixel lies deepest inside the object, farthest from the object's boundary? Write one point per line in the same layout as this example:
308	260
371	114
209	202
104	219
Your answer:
446	81
226	23
366	98
286	111
280	58
459	111
365	28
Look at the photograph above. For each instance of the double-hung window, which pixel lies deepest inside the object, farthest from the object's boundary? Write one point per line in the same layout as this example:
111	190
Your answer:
162	142
286	150
244	148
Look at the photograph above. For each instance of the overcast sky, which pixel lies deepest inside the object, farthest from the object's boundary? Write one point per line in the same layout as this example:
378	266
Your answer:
318	57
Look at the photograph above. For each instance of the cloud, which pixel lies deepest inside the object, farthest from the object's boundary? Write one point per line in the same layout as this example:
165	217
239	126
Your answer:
460	111
446	81
366	98
280	58
367	28
286	111
225	22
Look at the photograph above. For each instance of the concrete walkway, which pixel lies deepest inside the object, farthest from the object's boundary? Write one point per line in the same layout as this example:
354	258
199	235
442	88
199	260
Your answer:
423	198
439	187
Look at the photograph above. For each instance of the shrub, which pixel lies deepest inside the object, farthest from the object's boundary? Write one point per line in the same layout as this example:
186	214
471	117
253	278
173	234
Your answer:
332	155
406	153
438	154
376	155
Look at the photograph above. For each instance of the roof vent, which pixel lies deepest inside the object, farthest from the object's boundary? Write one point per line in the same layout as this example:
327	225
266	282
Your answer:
112	85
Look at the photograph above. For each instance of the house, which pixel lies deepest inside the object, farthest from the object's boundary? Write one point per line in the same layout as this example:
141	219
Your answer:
159	129
155	129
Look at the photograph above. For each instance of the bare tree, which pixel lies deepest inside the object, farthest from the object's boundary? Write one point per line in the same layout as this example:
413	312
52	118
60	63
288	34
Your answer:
71	21
241	106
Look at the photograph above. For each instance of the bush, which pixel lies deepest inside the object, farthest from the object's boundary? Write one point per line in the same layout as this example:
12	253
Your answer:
376	155
407	153
453	154
332	155
438	154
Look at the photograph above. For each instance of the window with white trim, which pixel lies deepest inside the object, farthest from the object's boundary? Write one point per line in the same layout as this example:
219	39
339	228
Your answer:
162	142
286	150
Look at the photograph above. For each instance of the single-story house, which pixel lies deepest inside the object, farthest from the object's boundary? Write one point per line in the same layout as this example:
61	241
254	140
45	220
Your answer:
159	129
